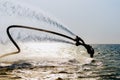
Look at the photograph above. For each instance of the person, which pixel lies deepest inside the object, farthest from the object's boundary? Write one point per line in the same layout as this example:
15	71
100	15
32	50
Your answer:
89	48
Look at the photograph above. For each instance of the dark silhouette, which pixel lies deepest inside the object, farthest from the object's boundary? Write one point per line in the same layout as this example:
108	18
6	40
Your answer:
78	40
89	48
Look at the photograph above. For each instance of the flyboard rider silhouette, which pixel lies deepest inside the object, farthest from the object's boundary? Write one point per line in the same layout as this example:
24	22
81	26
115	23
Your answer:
78	40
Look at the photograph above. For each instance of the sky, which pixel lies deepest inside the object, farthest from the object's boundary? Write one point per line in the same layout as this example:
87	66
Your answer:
95	21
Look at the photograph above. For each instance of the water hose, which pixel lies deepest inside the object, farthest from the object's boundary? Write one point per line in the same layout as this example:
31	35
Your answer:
78	40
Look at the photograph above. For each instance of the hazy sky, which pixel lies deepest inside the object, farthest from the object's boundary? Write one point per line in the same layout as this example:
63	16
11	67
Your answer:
96	21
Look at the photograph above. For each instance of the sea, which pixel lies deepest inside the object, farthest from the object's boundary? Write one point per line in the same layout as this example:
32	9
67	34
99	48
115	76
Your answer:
104	66
45	56
109	55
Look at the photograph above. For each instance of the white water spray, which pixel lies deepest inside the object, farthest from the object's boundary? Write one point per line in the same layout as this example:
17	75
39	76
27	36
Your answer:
12	8
14	13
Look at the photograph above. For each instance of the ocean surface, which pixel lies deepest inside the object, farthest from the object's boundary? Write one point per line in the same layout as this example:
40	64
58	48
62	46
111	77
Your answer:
104	66
109	55
45	56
